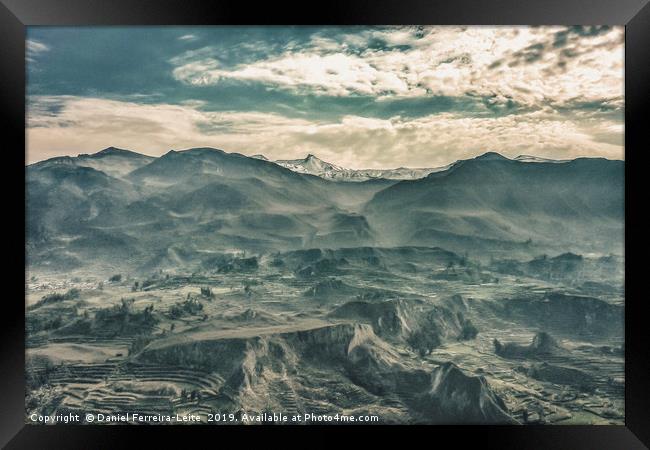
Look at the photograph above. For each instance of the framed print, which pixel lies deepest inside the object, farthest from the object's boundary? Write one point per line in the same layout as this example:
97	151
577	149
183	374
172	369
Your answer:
403	216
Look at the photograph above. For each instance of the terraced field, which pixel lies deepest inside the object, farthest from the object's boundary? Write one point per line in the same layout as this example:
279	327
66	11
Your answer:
354	336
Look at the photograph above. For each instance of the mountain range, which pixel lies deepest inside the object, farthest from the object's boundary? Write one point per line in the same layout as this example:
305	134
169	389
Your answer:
121	208
312	165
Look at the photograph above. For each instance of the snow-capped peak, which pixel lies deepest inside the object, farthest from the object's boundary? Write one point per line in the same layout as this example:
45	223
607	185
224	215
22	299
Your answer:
529	158
313	165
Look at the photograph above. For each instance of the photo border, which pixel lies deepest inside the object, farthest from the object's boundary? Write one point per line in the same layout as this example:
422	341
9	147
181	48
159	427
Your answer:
15	15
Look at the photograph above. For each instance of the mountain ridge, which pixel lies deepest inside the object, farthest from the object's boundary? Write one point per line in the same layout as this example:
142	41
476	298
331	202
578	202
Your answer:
311	164
201	200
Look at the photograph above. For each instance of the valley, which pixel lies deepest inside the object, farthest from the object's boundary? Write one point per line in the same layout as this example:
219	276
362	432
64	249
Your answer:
491	291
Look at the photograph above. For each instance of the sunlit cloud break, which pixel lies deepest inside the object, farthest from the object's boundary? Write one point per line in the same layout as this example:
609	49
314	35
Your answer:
354	141
527	65
359	97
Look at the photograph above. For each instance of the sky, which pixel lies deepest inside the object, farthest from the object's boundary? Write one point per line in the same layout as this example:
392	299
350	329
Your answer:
359	97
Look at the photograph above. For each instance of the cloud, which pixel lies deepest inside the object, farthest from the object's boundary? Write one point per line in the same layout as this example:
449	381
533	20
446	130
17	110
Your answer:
334	74
532	66
359	97
71	125
34	48
187	37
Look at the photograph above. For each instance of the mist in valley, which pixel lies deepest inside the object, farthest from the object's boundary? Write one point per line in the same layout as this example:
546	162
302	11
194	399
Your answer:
200	281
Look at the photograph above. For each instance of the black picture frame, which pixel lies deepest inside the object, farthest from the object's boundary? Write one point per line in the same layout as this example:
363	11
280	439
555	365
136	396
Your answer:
16	15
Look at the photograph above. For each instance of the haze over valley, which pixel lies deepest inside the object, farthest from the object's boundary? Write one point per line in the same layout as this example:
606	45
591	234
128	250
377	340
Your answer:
202	280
